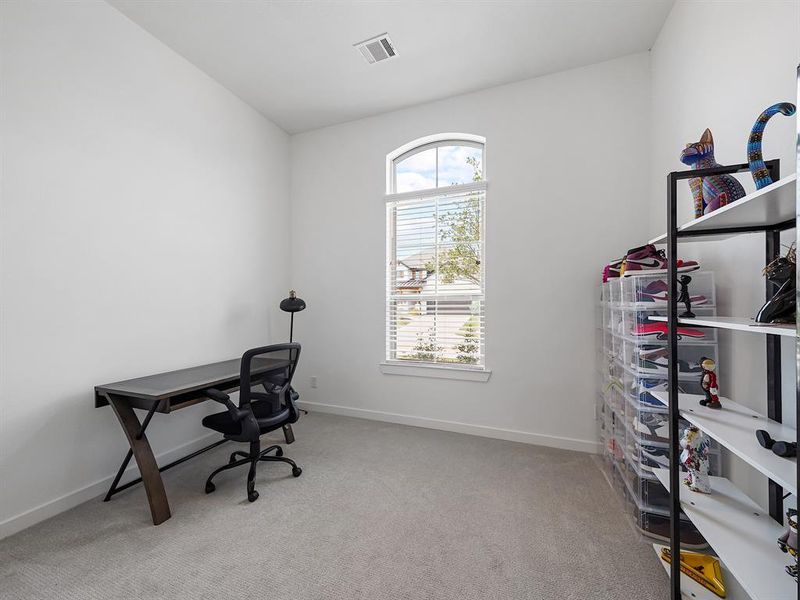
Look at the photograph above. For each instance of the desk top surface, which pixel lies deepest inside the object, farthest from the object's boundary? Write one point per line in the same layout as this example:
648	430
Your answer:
172	383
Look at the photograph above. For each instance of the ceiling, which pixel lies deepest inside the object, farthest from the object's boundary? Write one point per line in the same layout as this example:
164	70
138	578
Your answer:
295	63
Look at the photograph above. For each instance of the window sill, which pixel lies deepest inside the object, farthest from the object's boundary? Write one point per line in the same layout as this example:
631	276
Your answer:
461	373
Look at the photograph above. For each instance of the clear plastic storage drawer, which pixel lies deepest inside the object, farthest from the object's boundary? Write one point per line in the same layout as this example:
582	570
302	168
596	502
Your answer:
651	361
639	325
651	291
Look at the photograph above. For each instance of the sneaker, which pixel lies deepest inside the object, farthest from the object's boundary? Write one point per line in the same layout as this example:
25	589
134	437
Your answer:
656	293
687	367
645	387
614	449
612	269
658	330
654	366
646	260
647	399
653	385
654	457
656	362
652	427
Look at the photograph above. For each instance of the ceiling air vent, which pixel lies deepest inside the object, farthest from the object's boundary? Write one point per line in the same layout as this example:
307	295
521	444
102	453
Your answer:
376	49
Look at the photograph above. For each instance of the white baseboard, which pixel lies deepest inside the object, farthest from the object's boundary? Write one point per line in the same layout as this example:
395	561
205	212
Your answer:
58	505
511	435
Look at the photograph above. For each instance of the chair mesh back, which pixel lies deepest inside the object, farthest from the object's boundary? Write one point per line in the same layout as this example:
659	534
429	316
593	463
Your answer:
268	369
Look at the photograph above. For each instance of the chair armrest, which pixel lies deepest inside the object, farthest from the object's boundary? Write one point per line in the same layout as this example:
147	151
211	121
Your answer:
237	414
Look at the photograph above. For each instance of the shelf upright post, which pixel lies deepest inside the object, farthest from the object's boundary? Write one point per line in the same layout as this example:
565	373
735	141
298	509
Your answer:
774	400
674	416
797	294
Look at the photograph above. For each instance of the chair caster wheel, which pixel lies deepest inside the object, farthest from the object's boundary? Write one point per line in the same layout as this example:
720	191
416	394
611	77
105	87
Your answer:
279	451
210	487
252	494
296	471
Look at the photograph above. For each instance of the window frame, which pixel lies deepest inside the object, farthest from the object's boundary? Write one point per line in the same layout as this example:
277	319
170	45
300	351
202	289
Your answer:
392	187
396	366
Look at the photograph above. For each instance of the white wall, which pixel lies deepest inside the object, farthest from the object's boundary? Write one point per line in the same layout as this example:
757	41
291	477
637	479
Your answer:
144	228
557	205
718	65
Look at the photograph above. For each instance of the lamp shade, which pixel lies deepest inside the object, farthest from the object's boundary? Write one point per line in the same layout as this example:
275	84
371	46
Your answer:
292	304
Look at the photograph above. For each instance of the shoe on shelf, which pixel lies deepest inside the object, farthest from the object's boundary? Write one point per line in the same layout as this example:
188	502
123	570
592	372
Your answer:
647	399
654	457
657	385
689	368
646	260
657	363
658	329
612	269
654	362
652	427
656	292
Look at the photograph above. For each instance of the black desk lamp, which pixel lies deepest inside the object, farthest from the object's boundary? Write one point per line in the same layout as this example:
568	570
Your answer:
292	304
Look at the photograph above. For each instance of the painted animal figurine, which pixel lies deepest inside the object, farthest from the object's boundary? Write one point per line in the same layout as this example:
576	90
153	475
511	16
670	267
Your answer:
714	191
754	158
780	273
708	382
695	458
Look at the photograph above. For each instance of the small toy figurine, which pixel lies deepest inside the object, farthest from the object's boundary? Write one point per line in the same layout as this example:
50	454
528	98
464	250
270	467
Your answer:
784	449
684	297
709	384
788	540
695	458
780	308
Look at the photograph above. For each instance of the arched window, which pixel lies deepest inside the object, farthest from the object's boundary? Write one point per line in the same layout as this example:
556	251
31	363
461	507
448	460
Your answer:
435	204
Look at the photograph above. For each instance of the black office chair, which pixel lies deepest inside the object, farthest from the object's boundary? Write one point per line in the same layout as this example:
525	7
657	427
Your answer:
269	368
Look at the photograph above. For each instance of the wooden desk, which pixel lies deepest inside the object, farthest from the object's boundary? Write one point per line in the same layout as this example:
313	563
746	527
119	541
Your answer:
164	393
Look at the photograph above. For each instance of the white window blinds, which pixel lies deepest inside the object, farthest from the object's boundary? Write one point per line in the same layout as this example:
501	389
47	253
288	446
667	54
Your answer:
435	275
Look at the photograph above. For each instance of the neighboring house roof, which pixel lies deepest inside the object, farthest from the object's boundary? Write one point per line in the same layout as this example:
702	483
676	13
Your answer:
411	284
418	260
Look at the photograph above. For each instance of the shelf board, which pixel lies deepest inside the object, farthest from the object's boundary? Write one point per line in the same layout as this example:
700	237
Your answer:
734	426
737	324
768	206
742	534
691	590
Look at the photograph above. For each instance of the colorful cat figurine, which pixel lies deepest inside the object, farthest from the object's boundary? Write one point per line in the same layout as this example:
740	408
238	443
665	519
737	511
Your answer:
757	167
714	191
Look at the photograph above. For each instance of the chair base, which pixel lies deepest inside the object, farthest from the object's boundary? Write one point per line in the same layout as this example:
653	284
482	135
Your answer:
255	456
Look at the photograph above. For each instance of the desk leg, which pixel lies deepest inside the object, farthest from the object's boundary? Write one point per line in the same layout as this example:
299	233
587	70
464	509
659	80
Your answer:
151	477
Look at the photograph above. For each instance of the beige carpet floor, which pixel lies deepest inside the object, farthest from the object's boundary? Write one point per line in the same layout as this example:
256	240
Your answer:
381	512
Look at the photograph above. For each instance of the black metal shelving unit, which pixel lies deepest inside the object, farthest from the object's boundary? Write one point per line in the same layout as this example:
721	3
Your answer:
772	231
773	345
